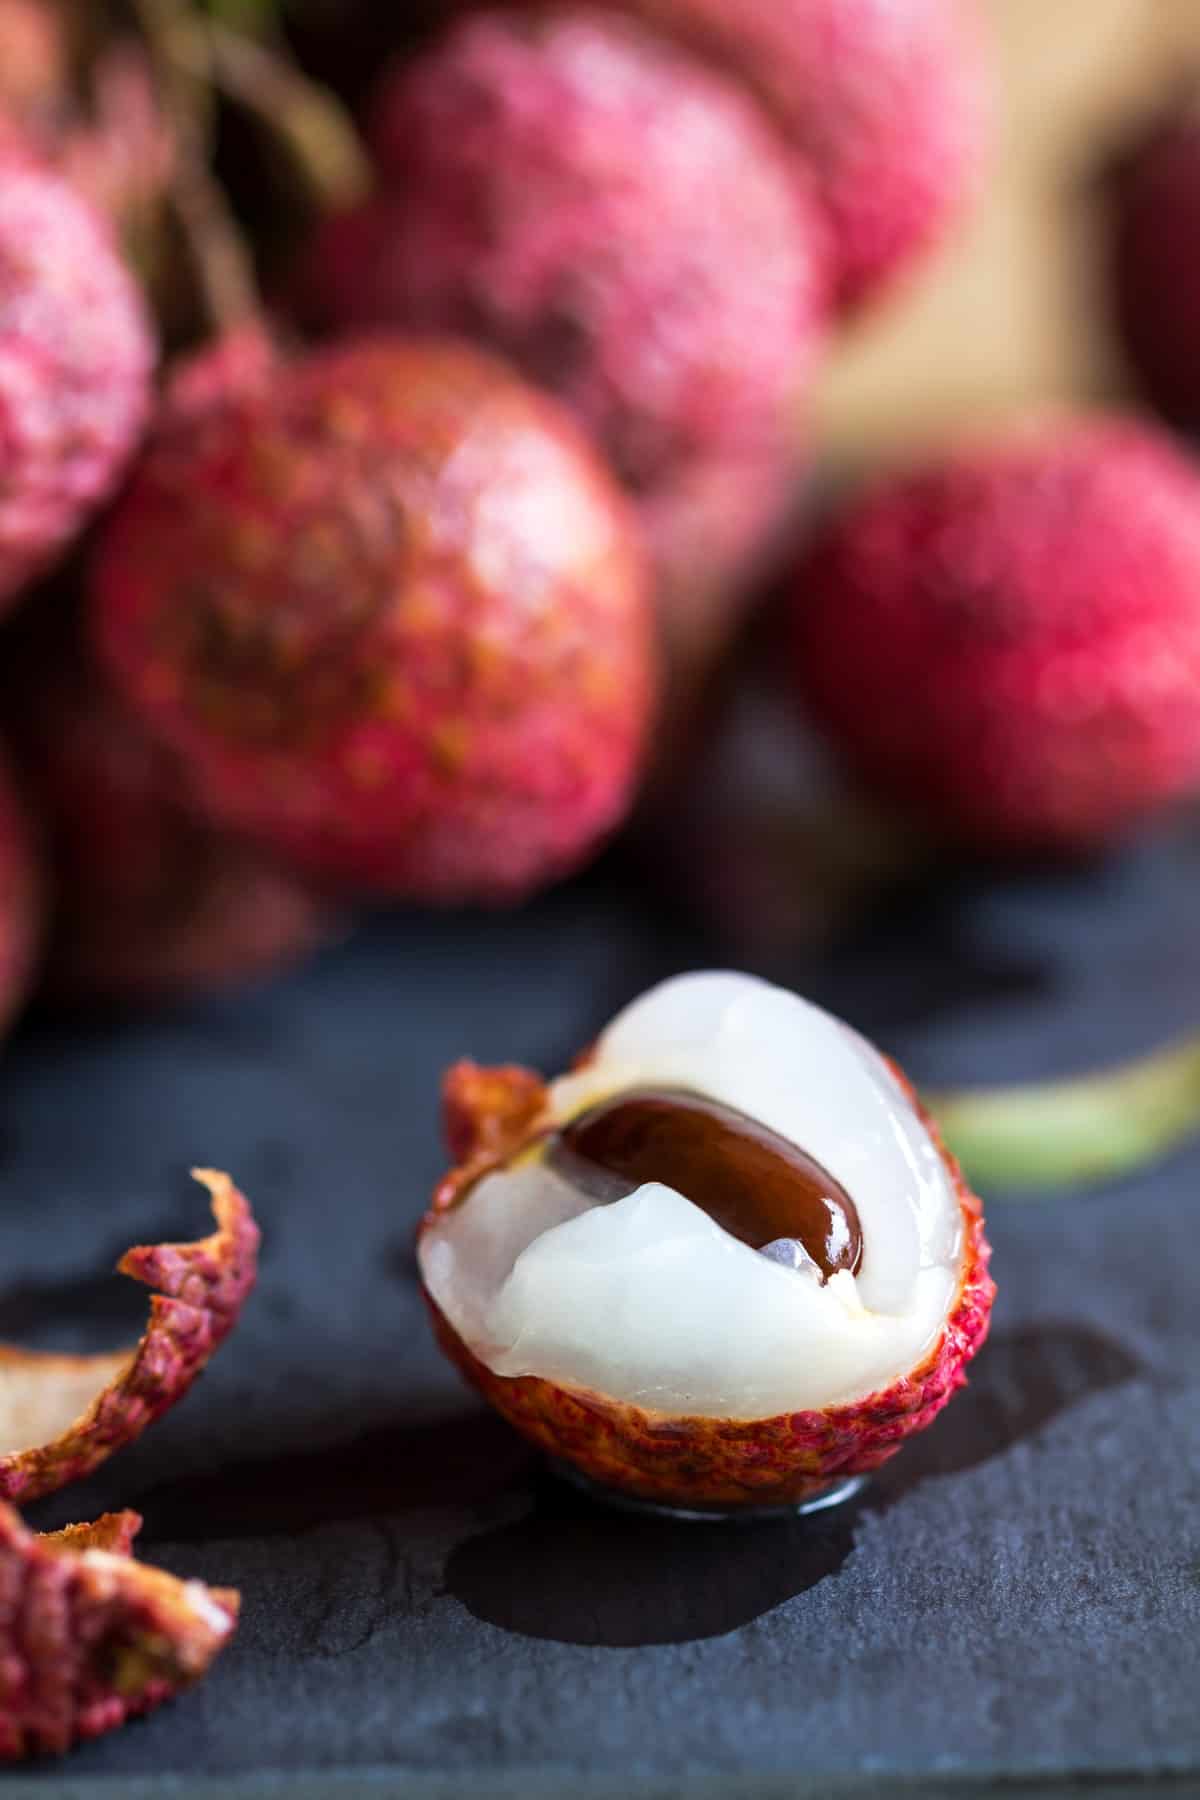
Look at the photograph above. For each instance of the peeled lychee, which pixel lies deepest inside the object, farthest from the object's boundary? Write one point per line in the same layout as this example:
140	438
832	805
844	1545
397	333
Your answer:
883	103
393	616
725	1263
1006	640
75	363
1155	201
619	221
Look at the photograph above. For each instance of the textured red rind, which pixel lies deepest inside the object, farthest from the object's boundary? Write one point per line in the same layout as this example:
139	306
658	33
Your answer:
90	1638
200	1290
393	616
884	105
684	1460
1005	639
615	217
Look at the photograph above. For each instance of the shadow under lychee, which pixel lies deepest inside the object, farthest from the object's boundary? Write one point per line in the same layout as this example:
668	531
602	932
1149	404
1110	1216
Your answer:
574	1571
579	1573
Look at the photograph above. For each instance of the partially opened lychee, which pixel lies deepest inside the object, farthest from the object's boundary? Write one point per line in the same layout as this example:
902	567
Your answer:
725	1264
89	1637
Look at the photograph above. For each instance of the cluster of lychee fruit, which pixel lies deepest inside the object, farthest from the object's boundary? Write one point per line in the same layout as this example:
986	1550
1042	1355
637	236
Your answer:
393	613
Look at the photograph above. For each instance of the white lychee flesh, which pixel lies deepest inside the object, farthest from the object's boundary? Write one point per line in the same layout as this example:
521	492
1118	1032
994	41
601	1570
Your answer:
644	1298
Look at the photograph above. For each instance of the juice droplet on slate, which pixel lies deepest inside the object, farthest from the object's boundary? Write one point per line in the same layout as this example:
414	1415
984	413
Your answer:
748	1179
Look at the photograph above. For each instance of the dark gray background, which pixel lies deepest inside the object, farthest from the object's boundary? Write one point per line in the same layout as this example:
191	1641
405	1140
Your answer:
1019	1591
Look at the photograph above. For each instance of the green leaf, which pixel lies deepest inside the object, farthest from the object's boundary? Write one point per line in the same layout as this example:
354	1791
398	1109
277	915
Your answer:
1078	1132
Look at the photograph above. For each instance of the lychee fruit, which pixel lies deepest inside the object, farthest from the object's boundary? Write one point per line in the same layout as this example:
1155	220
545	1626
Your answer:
76	358
1006	639
620	222
883	104
150	899
1154	198
392	613
724	1264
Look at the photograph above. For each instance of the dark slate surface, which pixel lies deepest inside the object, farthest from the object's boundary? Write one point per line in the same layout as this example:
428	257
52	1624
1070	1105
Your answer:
1020	1591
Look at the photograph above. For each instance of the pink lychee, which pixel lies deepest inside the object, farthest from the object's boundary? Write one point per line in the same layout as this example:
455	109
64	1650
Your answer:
883	104
1006	640
75	364
618	220
391	613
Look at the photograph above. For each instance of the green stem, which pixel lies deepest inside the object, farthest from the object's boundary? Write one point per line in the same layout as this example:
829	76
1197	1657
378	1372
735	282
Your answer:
219	253
312	127
1077	1132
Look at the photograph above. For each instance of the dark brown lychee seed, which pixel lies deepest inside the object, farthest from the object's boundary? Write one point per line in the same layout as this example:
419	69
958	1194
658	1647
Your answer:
750	1181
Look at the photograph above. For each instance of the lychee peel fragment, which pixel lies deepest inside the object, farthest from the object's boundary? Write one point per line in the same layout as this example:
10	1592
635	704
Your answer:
62	1416
695	1461
90	1638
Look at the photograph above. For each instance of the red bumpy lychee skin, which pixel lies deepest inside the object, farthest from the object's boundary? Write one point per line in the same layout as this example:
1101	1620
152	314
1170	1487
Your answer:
393	615
75	365
883	104
1007	640
1155	201
491	1116
620	222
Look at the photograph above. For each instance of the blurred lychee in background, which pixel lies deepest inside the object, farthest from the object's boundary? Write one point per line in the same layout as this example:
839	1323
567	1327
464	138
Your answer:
438	442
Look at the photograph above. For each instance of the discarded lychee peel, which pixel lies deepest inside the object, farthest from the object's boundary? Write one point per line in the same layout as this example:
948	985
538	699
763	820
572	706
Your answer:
89	1637
200	1290
1039	1137
111	1532
686	1460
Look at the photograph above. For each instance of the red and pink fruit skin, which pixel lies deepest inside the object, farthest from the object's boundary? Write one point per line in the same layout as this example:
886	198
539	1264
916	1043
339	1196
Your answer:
883	104
199	1291
1155	210
76	358
1005	641
692	1462
394	617
89	1638
620	222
